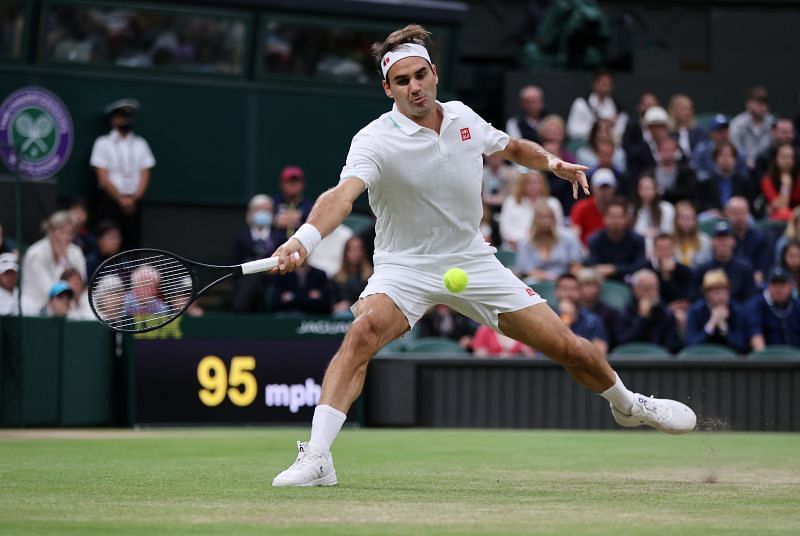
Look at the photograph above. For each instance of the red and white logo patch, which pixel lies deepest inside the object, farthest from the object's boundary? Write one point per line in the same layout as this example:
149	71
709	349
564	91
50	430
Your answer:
386	60
465	134
530	292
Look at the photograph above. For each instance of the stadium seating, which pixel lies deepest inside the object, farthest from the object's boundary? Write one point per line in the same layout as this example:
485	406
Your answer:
777	352
707	352
434	345
707	226
506	257
616	295
358	222
394	347
547	290
634	351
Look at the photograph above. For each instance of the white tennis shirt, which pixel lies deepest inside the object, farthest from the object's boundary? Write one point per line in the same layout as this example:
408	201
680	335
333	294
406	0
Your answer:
124	158
425	188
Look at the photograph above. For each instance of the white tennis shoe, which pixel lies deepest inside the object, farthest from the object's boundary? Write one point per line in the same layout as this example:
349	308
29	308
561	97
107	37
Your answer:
309	469
662	414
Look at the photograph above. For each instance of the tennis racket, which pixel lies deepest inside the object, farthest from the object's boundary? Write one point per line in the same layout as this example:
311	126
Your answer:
144	289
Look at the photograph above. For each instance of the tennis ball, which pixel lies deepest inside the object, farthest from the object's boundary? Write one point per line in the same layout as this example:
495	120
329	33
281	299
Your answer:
455	279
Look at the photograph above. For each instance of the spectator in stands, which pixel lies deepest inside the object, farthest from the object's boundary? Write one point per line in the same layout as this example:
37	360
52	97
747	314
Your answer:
774	315
587	214
792	232
109	243
738	270
681	113
551	136
46	259
751	243
551	250
499	179
84	238
144	297
524	125
441	321
6	245
122	162
306	291
783	132
652	215
605	159
790	261
290	206
582	322
517	213
781	184
723	183
590	285
644	155
599	104
714	319
692	246
351	279
59	300
256	241
489	343
79	308
675	180
635	130
9	293
674	278
703	157
647	319
588	154
751	129
615	250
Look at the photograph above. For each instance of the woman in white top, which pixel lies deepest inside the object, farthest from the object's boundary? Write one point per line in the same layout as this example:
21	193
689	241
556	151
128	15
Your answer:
652	215
587	155
550	252
516	214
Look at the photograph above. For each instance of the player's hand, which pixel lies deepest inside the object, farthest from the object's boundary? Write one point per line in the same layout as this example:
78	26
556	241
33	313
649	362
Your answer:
571	172
291	254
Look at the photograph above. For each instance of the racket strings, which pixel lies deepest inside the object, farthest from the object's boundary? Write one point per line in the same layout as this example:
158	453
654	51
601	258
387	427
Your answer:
143	288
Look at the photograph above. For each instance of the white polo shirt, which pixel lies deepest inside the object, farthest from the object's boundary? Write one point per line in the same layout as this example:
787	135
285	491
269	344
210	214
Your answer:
425	188
124	158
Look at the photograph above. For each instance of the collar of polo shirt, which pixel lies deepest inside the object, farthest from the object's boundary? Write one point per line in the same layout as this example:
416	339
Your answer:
410	127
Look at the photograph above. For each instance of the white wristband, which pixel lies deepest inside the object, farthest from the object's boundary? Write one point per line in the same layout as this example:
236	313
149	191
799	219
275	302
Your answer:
308	236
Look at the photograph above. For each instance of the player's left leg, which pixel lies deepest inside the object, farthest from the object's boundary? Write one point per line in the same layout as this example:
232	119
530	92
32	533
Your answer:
539	327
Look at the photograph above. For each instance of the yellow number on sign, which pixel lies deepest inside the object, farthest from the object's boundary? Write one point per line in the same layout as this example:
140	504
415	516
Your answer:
213	377
240	375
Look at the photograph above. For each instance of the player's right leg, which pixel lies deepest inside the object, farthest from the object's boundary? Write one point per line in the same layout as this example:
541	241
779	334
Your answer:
378	321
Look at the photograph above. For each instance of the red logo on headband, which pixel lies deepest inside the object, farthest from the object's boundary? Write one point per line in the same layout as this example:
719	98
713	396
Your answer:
386	60
465	134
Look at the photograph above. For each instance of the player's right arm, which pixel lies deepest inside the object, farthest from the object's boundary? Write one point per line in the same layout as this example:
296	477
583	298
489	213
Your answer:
330	209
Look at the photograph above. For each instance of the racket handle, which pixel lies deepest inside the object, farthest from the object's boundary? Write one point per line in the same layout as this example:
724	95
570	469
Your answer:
262	265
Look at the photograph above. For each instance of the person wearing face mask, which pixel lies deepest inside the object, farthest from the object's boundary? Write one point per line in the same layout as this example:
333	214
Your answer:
256	241
122	162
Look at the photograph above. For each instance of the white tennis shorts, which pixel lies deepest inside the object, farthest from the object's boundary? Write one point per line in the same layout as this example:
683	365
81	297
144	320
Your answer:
491	289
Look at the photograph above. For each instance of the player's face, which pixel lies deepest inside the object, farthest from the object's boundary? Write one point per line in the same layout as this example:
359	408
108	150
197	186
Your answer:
412	84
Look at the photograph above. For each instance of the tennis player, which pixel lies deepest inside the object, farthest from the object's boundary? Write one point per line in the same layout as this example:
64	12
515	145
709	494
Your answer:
422	166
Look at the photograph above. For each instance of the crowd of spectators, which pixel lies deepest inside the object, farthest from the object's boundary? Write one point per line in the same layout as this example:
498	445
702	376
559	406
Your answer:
700	223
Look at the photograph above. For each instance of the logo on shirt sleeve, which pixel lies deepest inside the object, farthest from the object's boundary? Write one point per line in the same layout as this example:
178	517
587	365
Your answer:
465	134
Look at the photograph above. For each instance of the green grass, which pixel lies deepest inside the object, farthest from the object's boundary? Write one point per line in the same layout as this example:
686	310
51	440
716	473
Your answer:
401	482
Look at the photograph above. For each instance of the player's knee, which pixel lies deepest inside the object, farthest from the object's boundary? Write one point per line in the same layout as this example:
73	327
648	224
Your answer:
575	353
364	336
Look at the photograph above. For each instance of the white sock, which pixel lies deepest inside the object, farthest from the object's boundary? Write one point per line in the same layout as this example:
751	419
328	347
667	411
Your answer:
326	424
619	396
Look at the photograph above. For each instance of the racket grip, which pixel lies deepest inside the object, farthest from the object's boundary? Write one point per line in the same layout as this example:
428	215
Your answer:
262	265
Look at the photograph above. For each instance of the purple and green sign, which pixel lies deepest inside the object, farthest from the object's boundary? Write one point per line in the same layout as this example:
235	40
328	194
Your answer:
35	133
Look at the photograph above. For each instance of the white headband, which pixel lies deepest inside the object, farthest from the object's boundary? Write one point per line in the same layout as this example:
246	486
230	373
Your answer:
405	50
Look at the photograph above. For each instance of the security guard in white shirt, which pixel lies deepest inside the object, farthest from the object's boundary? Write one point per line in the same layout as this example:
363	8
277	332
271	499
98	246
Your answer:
122	161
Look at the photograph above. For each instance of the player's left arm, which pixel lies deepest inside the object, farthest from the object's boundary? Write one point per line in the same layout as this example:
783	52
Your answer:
534	156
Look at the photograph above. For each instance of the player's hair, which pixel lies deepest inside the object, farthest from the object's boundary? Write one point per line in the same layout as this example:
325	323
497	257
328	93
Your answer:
413	33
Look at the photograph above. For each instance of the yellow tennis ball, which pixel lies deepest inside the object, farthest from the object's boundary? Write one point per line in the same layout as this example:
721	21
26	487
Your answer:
455	279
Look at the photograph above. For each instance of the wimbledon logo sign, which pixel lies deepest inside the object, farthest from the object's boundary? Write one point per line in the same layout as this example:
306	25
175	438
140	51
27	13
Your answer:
35	133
